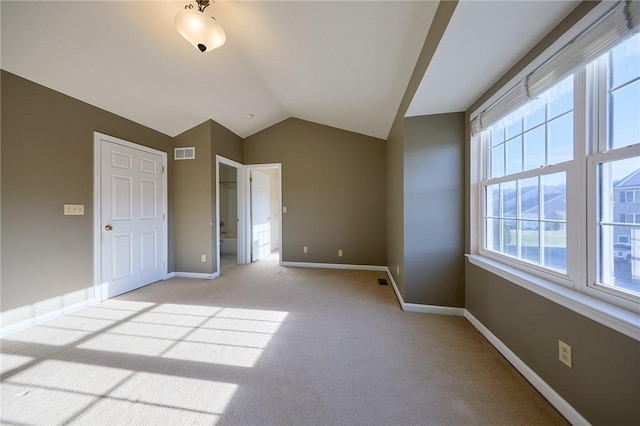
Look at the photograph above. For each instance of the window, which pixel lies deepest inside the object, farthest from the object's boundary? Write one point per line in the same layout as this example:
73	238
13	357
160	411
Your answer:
551	147
629	196
526	194
617	162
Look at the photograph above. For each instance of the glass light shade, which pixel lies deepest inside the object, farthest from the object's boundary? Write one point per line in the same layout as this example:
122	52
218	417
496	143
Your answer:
202	31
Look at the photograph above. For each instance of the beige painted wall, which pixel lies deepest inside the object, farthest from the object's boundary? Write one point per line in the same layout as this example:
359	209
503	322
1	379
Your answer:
229	145
191	183
604	383
333	185
47	161
194	195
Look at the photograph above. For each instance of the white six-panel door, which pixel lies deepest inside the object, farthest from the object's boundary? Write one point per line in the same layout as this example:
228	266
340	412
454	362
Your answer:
131	216
260	211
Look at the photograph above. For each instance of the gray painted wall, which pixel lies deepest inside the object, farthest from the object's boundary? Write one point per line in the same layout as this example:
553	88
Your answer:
604	383
47	161
395	204
333	185
395	149
433	210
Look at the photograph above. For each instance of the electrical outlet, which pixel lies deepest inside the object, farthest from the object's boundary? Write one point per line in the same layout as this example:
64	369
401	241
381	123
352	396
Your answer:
564	353
305	249
284	209
204	258
340	253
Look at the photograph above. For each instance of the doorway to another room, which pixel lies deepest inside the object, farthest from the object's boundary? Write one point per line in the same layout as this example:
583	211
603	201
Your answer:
229	216
248	213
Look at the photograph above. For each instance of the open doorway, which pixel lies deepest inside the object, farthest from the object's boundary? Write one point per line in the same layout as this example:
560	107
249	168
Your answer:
229	218
248	221
229	223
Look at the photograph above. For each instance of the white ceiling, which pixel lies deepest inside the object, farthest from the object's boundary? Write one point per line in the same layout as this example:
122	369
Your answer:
482	41
345	64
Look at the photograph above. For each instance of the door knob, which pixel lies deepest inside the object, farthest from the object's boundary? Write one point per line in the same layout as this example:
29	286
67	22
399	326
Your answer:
108	228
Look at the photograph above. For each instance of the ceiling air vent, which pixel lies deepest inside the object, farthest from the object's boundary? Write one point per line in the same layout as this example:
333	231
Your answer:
187	153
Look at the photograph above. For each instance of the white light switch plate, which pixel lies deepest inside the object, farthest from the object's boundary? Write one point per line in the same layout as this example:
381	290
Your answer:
74	209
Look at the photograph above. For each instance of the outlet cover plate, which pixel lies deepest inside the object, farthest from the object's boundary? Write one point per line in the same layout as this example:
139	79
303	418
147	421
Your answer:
564	354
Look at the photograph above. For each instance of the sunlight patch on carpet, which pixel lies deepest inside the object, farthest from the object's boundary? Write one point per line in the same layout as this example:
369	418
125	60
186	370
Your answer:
9	362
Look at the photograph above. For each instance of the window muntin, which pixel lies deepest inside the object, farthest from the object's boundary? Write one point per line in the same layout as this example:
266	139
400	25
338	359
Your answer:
538	134
517	226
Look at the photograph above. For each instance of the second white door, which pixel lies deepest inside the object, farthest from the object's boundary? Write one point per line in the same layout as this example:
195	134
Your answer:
260	210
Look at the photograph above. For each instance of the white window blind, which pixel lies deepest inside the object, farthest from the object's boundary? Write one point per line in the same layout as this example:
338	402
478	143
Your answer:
621	22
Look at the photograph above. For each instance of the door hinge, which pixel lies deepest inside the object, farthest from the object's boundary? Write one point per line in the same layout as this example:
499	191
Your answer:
251	179
162	216
163	169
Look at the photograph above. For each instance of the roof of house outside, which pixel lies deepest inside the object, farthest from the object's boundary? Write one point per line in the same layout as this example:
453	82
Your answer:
632	179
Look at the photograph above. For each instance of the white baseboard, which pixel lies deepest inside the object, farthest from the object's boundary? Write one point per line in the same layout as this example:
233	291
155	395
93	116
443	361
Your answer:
408	307
547	391
425	309
169	275
536	381
433	309
23	325
195	275
335	266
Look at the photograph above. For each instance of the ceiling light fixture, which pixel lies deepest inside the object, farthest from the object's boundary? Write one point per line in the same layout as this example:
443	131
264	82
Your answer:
202	31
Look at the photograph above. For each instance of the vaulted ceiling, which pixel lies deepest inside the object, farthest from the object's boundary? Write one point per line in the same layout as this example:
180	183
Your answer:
344	64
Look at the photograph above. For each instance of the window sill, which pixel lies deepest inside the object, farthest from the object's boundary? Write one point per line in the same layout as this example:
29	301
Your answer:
614	317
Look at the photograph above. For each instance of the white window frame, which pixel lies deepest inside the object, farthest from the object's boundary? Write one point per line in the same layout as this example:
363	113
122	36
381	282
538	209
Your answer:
600	153
608	309
573	170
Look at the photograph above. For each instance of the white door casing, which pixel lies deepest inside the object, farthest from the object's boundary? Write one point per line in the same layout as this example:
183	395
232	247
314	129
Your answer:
130	216
260	211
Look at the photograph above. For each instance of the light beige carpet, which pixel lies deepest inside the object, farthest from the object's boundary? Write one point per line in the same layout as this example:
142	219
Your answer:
262	345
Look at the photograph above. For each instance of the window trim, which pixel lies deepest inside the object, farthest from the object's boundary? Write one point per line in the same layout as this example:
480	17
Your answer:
572	169
599	309
607	314
603	304
590	285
